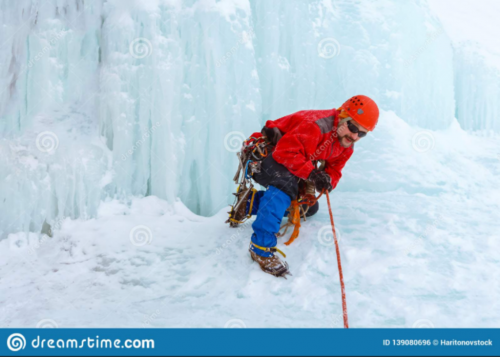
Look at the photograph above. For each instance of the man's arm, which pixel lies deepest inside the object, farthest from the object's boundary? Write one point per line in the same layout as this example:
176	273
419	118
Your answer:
294	149
275	129
334	167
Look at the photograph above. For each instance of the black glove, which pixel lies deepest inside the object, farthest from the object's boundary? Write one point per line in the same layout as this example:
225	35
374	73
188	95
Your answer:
321	180
272	134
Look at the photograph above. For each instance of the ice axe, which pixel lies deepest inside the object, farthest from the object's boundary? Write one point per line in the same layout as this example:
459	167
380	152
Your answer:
341	276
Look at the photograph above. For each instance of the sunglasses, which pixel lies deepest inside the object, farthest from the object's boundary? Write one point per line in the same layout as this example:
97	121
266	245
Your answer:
354	129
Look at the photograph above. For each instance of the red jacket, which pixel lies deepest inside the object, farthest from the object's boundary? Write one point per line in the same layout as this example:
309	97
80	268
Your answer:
310	135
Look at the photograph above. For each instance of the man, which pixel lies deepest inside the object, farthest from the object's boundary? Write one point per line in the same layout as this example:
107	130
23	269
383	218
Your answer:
301	139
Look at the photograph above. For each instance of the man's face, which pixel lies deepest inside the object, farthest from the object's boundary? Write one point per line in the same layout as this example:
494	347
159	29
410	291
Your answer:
347	137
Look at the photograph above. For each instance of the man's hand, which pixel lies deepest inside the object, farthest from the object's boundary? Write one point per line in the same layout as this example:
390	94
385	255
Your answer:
272	134
321	180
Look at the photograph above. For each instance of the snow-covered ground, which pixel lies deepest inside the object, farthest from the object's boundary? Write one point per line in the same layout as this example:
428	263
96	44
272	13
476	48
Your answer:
419	235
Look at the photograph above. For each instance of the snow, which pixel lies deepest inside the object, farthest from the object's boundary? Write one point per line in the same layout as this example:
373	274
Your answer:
419	247
127	114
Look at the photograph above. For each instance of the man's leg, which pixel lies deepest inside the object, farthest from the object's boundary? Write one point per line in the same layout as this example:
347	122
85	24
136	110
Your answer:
283	187
272	207
274	174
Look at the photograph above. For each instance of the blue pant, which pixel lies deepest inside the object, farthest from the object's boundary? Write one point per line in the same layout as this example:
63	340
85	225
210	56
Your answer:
271	209
256	203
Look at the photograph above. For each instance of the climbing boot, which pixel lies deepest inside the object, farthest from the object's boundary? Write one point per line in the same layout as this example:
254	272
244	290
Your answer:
271	265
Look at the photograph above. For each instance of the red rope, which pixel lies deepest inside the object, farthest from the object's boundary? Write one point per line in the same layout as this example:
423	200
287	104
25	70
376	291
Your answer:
344	303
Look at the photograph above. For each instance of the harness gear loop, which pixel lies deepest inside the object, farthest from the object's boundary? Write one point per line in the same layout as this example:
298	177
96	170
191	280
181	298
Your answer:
269	249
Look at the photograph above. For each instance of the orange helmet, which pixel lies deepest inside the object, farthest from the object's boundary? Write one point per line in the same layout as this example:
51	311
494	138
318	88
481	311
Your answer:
362	109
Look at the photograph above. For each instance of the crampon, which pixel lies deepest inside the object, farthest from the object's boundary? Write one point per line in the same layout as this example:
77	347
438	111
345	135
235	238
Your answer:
271	265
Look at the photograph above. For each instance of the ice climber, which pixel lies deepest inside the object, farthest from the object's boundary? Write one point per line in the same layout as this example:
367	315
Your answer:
301	139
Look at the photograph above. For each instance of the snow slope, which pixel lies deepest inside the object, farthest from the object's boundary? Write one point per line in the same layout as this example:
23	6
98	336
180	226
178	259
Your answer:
419	235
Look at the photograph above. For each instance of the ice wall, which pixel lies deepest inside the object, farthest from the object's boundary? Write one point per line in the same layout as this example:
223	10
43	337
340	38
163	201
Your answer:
476	60
120	98
52	163
186	75
477	90
317	54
